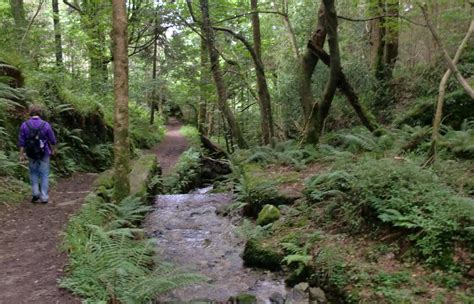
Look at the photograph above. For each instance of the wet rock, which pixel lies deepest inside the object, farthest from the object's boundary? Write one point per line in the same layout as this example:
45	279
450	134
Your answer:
243	299
277	298
260	256
318	295
302	287
269	214
298	295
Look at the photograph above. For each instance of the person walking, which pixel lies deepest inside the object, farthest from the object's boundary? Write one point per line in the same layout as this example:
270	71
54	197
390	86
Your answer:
36	142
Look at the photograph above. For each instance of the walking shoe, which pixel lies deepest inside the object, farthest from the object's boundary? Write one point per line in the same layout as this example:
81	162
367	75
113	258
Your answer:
35	199
44	202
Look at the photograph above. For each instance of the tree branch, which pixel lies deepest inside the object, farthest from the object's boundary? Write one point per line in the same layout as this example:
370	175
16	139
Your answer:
446	57
73	6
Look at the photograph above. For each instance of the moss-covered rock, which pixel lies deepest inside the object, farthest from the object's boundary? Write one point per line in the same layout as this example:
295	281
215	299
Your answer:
143	170
256	254
243	299
269	214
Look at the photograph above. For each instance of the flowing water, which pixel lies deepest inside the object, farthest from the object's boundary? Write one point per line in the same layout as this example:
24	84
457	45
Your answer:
188	233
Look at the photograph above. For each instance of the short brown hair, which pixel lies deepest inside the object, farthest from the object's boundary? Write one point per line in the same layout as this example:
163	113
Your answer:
34	110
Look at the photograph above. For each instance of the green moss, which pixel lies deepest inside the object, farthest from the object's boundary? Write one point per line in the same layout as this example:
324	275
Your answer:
243	298
256	254
143	170
268	215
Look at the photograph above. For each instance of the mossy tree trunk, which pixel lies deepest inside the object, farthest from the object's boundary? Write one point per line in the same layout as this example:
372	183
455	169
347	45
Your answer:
308	64
209	35
58	45
121	139
320	110
204	80
263	92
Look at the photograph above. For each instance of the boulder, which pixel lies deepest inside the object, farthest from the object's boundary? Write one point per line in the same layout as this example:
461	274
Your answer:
277	298
269	214
317	295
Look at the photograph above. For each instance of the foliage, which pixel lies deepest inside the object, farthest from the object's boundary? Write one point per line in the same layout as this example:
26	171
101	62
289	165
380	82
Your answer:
185	174
192	136
109	259
371	193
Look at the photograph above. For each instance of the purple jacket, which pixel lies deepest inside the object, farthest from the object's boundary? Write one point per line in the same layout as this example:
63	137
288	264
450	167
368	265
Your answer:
46	133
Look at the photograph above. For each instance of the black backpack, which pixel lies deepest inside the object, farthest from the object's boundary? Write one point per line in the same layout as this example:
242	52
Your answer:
35	147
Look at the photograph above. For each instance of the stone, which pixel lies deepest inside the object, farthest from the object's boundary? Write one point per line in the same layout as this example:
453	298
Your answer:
269	214
143	170
260	256
243	299
318	295
302	286
297	296
277	298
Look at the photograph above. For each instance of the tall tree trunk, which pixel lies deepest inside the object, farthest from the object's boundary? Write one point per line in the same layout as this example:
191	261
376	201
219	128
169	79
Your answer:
321	111
442	90
204	79
391	38
308	64
263	93
153	76
18	12
121	139
384	50
57	34
208	32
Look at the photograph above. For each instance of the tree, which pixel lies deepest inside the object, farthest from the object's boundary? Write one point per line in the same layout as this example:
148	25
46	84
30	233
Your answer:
263	92
57	34
121	138
209	35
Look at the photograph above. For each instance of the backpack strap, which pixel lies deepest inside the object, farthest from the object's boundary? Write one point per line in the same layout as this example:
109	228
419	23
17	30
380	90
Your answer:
36	130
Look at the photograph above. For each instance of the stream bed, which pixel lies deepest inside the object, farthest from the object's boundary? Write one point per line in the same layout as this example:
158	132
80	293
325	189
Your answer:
190	234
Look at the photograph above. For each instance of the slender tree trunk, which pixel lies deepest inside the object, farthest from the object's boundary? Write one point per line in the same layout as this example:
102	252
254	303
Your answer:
263	93
308	65
442	90
57	34
153	76
204	79
121	138
321	111
208	32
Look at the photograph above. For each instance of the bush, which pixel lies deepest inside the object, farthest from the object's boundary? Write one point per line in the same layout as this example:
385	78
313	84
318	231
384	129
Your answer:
373	193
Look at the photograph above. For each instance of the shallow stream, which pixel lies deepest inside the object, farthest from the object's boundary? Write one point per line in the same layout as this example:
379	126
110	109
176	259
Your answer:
190	234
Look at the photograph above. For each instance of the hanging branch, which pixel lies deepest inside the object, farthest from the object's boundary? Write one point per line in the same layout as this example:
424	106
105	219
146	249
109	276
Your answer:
451	65
73	6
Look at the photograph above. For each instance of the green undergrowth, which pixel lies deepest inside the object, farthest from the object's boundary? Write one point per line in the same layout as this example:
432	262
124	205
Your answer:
185	174
374	225
110	257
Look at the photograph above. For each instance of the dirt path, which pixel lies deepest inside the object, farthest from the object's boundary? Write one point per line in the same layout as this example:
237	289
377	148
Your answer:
171	147
30	260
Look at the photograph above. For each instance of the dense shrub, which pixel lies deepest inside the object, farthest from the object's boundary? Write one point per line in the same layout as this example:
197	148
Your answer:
374	193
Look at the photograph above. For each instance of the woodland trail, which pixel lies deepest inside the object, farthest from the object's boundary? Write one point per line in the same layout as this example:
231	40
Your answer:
171	147
30	259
